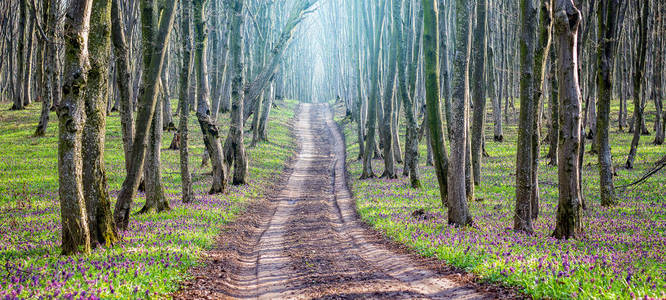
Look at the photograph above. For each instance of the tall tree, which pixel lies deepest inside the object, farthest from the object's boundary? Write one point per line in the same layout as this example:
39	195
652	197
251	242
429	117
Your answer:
95	187
478	87
643	11
389	159
608	13
154	52
412	140
373	36
566	21
658	64
71	115
208	126
522	220
53	78
237	97
185	71
123	79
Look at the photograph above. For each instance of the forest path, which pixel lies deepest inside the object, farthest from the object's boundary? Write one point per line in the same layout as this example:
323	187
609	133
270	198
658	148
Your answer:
306	242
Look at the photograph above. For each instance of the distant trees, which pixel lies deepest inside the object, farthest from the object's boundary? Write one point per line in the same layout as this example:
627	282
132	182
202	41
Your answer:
393	65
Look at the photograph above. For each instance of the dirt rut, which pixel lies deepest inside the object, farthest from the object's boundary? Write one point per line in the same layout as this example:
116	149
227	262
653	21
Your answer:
305	242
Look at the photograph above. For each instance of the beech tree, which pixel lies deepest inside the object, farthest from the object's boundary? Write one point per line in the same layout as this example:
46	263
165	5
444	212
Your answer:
153	59
566	21
71	116
643	11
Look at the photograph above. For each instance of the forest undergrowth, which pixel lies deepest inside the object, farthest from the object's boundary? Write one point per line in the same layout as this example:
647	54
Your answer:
157	249
621	252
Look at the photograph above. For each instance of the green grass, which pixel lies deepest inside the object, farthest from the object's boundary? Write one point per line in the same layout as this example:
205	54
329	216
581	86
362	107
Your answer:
156	250
620	254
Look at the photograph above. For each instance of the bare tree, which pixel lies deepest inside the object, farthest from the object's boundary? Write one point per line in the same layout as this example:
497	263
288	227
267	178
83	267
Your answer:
154	52
71	115
566	21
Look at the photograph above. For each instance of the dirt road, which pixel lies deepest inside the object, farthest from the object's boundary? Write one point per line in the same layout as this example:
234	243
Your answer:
305	241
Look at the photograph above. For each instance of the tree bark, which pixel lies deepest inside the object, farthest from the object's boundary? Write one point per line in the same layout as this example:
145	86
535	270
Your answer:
236	140
152	175
71	115
639	68
123	80
411	140
478	88
185	71
660	119
566	20
389	159
95	187
522	220
154	52
607	17
373	35
208	125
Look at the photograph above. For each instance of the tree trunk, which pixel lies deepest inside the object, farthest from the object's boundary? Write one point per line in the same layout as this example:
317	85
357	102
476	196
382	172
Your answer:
167	116
265	113
208	126
373	38
95	187
20	55
71	115
183	132
236	140
498	134
389	159
411	140
52	89
152	175
522	220
554	132
542	51
123	80
607	14
566	23
639	67
658	75
27	71
154	52
479	87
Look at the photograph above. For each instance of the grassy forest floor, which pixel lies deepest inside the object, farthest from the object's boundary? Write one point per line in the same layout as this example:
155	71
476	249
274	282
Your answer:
156	250
621	253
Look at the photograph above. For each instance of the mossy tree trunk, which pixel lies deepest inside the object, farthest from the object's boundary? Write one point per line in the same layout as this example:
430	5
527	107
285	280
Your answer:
479	87
95	187
522	220
411	140
387	120
566	21
643	8
237	143
123	79
373	36
52	89
154	53
208	126
607	17
183	132
660	117
71	115
457	187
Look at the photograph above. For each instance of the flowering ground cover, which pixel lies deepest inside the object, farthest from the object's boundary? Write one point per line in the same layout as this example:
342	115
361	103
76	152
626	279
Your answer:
156	250
621	253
